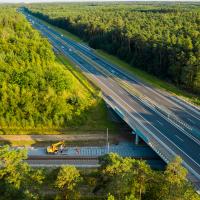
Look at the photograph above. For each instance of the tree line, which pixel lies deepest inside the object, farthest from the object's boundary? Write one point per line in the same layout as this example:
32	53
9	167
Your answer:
35	90
162	39
117	178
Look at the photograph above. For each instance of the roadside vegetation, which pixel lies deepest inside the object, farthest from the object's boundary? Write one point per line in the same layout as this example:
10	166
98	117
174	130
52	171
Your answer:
161	39
38	92
97	117
117	179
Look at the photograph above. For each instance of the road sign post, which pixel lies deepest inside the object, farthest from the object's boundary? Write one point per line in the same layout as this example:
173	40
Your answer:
107	141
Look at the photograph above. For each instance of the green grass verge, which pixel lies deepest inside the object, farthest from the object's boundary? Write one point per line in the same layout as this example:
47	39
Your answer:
64	32
77	73
144	76
97	118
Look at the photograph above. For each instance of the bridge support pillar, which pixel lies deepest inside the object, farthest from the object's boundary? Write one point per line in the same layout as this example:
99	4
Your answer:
137	139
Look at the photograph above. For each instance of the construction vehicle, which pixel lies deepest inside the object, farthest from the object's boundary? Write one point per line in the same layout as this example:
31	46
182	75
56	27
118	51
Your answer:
54	148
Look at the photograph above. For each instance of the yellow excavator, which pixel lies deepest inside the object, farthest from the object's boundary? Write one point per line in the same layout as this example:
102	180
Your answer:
54	148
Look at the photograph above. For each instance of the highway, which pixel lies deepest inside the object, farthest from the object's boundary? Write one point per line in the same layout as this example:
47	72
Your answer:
165	121
184	112
185	115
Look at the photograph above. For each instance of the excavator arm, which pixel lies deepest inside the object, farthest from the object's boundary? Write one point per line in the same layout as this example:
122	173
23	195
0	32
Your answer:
54	147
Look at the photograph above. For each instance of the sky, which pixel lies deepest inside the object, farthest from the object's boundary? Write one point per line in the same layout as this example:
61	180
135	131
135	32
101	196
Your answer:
36	1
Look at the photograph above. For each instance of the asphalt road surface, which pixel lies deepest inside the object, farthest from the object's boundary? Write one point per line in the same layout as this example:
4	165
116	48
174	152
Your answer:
178	130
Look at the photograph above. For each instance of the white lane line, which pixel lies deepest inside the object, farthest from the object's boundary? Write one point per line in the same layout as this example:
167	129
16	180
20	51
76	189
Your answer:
187	104
174	124
179	138
121	92
160	122
101	83
144	120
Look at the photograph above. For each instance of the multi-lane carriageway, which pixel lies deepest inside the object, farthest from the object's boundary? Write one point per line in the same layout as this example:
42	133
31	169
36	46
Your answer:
169	125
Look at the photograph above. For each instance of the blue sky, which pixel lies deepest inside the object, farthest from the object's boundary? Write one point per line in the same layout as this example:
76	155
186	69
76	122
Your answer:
35	1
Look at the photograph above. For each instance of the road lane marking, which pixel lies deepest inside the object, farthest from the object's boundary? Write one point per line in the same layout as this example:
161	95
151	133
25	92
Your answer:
187	105
121	92
160	122
179	138
101	83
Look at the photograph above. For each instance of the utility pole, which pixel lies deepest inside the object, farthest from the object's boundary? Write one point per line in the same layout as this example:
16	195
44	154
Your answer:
107	141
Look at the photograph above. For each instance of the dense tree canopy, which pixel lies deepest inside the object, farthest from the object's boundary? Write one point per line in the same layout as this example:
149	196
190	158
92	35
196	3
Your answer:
17	179
67	180
163	40
130	179
35	90
117	179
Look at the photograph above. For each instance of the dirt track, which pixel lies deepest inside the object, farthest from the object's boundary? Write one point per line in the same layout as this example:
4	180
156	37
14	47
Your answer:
43	138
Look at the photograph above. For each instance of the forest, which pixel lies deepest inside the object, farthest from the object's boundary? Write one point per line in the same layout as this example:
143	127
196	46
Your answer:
35	89
161	39
117	178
